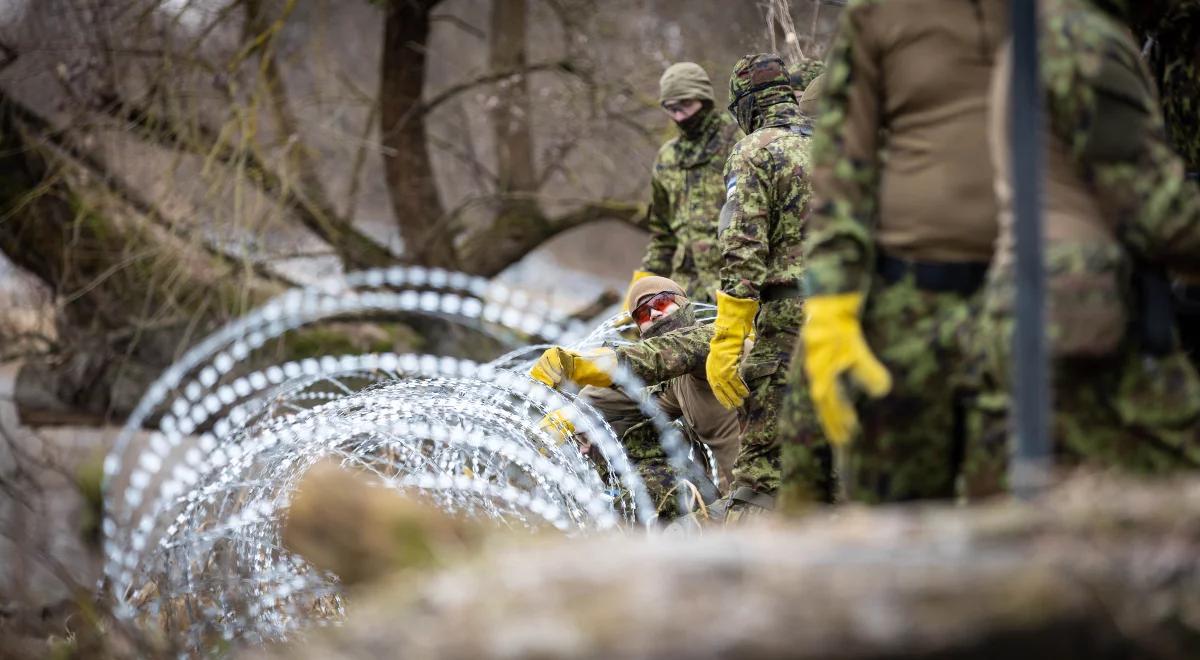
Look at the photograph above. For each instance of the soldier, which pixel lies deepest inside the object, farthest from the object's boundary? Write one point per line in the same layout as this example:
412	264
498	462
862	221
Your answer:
660	308
898	245
766	205
767	194
1171	39
686	185
1115	204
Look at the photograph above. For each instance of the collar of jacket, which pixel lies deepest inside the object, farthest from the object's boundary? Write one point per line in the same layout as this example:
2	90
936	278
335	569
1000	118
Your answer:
707	143
782	113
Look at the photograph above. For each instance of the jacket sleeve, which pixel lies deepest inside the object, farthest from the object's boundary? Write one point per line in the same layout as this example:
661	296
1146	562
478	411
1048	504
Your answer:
1105	107
674	354
745	243
839	250
660	253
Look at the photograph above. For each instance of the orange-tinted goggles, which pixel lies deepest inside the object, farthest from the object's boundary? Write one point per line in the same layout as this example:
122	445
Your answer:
660	302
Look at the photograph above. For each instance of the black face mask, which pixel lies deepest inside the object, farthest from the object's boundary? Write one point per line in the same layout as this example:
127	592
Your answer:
691	126
683	317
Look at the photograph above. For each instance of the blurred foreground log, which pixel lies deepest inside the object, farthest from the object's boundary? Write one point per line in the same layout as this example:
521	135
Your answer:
1099	568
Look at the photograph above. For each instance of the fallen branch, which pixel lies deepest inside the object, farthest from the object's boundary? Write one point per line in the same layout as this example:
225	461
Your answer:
1100	567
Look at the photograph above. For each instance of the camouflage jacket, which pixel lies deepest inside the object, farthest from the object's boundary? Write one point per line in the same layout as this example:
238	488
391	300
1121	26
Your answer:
686	198
1174	57
659	359
1101	104
1114	190
909	79
767	195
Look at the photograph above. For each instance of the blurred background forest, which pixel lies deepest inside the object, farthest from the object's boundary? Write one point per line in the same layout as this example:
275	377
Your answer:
170	164
167	165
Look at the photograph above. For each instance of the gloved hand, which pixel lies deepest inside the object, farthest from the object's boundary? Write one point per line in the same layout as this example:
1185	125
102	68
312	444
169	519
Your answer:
734	324
559	365
637	275
556	425
833	345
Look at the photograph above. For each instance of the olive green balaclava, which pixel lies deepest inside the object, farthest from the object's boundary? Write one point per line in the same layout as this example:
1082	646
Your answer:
758	82
686	81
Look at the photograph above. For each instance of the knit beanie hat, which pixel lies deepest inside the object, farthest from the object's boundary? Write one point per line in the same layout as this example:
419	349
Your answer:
684	80
649	286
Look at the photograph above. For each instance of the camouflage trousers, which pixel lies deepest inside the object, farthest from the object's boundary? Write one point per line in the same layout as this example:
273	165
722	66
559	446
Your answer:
765	373
910	444
1129	410
645	452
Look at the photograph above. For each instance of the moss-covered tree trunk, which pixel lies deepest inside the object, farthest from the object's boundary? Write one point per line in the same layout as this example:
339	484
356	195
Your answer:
129	295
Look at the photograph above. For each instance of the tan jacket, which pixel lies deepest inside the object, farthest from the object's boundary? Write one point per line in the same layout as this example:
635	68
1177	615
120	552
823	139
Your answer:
916	108
689	397
1084	285
1071	211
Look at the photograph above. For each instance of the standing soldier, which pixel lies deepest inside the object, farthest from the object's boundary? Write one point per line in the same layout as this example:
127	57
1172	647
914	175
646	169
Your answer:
687	189
767	193
898	244
1116	205
1172	40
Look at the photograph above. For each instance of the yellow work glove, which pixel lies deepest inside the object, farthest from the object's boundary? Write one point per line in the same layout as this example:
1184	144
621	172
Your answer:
734	324
559	365
556	425
637	275
834	345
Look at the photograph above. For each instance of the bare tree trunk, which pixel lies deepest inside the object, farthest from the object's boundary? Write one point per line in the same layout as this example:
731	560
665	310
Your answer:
312	202
520	223
411	184
511	115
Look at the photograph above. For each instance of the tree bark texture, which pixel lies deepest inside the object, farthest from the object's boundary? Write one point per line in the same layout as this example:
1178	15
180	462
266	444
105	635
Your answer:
1097	568
130	294
519	223
411	184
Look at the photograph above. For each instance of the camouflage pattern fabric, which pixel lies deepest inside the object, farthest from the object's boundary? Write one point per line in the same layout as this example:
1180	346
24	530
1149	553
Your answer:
645	453
899	147
686	196
804	73
765	374
766	181
909	443
1174	59
764	370
767	198
658	359
1127	409
840	246
910	440
1115	404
